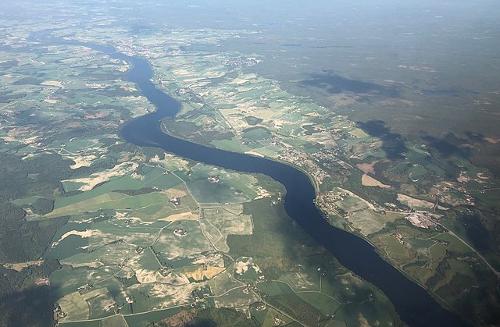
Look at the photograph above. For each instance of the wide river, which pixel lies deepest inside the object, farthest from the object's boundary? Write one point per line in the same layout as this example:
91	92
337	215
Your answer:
413	304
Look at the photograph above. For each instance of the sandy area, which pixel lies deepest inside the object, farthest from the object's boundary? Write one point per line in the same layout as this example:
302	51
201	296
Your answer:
181	216
253	153
145	276
243	264
367	180
201	274
175	193
367	168
104	176
82	161
19	266
414	203
83	234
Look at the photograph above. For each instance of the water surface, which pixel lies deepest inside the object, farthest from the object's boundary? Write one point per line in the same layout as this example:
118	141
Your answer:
414	305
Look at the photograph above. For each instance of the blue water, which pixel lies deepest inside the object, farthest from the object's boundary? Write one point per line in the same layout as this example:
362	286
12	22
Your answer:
413	304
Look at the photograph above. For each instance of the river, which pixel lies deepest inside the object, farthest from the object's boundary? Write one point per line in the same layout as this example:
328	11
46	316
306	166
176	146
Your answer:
413	304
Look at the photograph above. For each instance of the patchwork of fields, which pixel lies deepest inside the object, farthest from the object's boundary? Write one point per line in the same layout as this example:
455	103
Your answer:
120	235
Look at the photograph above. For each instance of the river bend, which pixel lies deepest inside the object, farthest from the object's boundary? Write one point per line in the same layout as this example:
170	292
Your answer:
413	304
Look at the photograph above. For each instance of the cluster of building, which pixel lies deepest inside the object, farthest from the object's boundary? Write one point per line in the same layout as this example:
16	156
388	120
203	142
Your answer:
180	232
303	160
422	219
241	61
176	201
327	202
214	179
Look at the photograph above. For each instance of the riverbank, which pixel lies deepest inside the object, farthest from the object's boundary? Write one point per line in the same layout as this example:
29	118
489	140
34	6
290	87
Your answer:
415	306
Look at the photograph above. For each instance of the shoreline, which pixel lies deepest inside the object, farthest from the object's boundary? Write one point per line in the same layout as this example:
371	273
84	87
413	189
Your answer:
367	262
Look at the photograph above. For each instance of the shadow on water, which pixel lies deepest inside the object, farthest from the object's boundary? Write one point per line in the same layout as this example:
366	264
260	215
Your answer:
393	143
334	83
